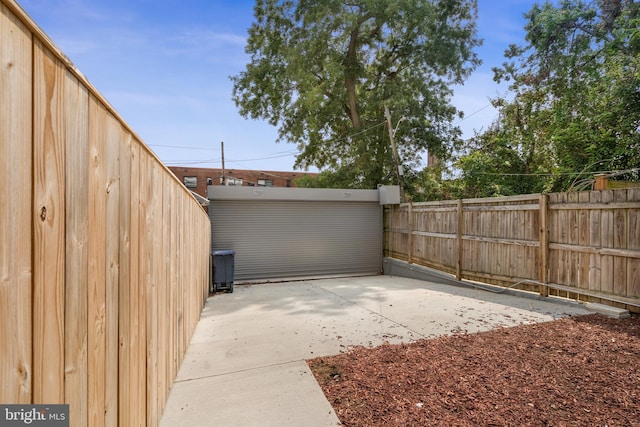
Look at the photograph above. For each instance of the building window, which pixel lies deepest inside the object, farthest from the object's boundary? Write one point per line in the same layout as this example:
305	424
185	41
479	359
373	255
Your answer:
231	182
265	183
288	183
209	181
190	181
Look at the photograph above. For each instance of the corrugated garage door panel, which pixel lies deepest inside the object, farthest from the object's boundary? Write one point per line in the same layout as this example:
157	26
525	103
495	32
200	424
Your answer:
278	239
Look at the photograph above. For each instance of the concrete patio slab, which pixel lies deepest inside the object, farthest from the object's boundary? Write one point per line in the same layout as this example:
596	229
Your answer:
271	396
245	364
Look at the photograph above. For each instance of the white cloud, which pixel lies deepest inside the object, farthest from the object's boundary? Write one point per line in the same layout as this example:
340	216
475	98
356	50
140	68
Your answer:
200	37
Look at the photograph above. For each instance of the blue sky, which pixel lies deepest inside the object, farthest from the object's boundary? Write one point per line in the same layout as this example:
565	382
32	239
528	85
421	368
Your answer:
164	65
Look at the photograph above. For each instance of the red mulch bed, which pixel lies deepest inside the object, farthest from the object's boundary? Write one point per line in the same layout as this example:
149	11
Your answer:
582	371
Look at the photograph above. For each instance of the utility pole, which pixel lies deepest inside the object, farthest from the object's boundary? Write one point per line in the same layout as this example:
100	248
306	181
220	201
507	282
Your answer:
222	178
396	160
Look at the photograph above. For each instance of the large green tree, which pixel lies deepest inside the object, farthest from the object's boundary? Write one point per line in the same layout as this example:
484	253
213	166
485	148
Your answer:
576	99
323	71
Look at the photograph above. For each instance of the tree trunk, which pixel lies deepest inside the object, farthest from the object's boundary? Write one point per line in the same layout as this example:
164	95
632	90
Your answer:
351	79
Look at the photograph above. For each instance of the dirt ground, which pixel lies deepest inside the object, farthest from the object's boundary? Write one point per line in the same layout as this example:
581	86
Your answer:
582	371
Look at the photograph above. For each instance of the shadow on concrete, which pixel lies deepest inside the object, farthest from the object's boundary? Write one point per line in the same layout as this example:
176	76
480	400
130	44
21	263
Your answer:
330	296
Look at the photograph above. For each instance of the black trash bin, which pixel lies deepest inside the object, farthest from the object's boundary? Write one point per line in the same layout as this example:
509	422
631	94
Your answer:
223	270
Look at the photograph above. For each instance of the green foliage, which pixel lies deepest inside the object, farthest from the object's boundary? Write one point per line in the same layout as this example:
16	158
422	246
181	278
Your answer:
322	72
325	180
576	104
428	185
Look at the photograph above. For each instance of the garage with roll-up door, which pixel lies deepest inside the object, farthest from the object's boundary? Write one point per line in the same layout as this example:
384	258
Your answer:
280	233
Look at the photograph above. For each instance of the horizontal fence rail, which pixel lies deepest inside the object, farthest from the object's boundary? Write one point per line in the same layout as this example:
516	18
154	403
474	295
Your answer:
579	245
104	255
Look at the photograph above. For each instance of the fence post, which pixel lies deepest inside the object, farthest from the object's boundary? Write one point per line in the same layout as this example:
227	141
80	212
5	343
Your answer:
387	220
544	244
410	237
459	229
601	182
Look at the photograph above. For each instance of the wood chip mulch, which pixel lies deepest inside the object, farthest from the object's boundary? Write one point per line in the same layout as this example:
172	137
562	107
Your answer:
581	371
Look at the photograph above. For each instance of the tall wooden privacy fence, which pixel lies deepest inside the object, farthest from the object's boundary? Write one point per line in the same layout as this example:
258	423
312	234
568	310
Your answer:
578	245
104	256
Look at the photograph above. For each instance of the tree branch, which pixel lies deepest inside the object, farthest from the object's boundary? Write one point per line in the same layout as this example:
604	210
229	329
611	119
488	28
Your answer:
351	80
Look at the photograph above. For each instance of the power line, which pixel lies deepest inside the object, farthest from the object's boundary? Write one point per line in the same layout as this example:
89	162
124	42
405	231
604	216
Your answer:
266	157
275	156
361	132
472	114
280	176
190	162
557	174
179	146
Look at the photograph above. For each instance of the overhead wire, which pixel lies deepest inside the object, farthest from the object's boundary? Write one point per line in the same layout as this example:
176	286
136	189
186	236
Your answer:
180	146
266	157
275	156
472	114
543	174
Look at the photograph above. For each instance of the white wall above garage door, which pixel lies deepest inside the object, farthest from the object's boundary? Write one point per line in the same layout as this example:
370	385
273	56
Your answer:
292	232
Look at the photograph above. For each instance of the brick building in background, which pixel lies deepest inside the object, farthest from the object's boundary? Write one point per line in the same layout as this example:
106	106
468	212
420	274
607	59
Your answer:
197	179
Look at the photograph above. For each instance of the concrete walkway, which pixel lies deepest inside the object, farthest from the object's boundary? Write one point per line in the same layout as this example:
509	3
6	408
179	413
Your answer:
246	366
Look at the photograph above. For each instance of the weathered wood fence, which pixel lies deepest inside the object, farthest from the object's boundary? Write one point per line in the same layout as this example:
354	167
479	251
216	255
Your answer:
104	255
578	245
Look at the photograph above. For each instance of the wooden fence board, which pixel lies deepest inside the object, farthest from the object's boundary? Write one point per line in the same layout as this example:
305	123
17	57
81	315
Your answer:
562	237
606	241
113	135
595	268
633	239
96	333
164	330
183	297
495	257
173	274
153	249
144	277
620	242
514	228
572	239
188	297
204	270
179	284
77	263
159	285
552	225
583	240
137	292
48	227
543	267
16	152
410	222
472	262
459	233
126	282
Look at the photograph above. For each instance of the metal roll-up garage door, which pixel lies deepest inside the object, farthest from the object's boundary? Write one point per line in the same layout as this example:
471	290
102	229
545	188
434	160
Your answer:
283	233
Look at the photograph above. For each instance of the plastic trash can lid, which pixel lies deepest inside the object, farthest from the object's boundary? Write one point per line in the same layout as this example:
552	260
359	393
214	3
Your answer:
229	252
